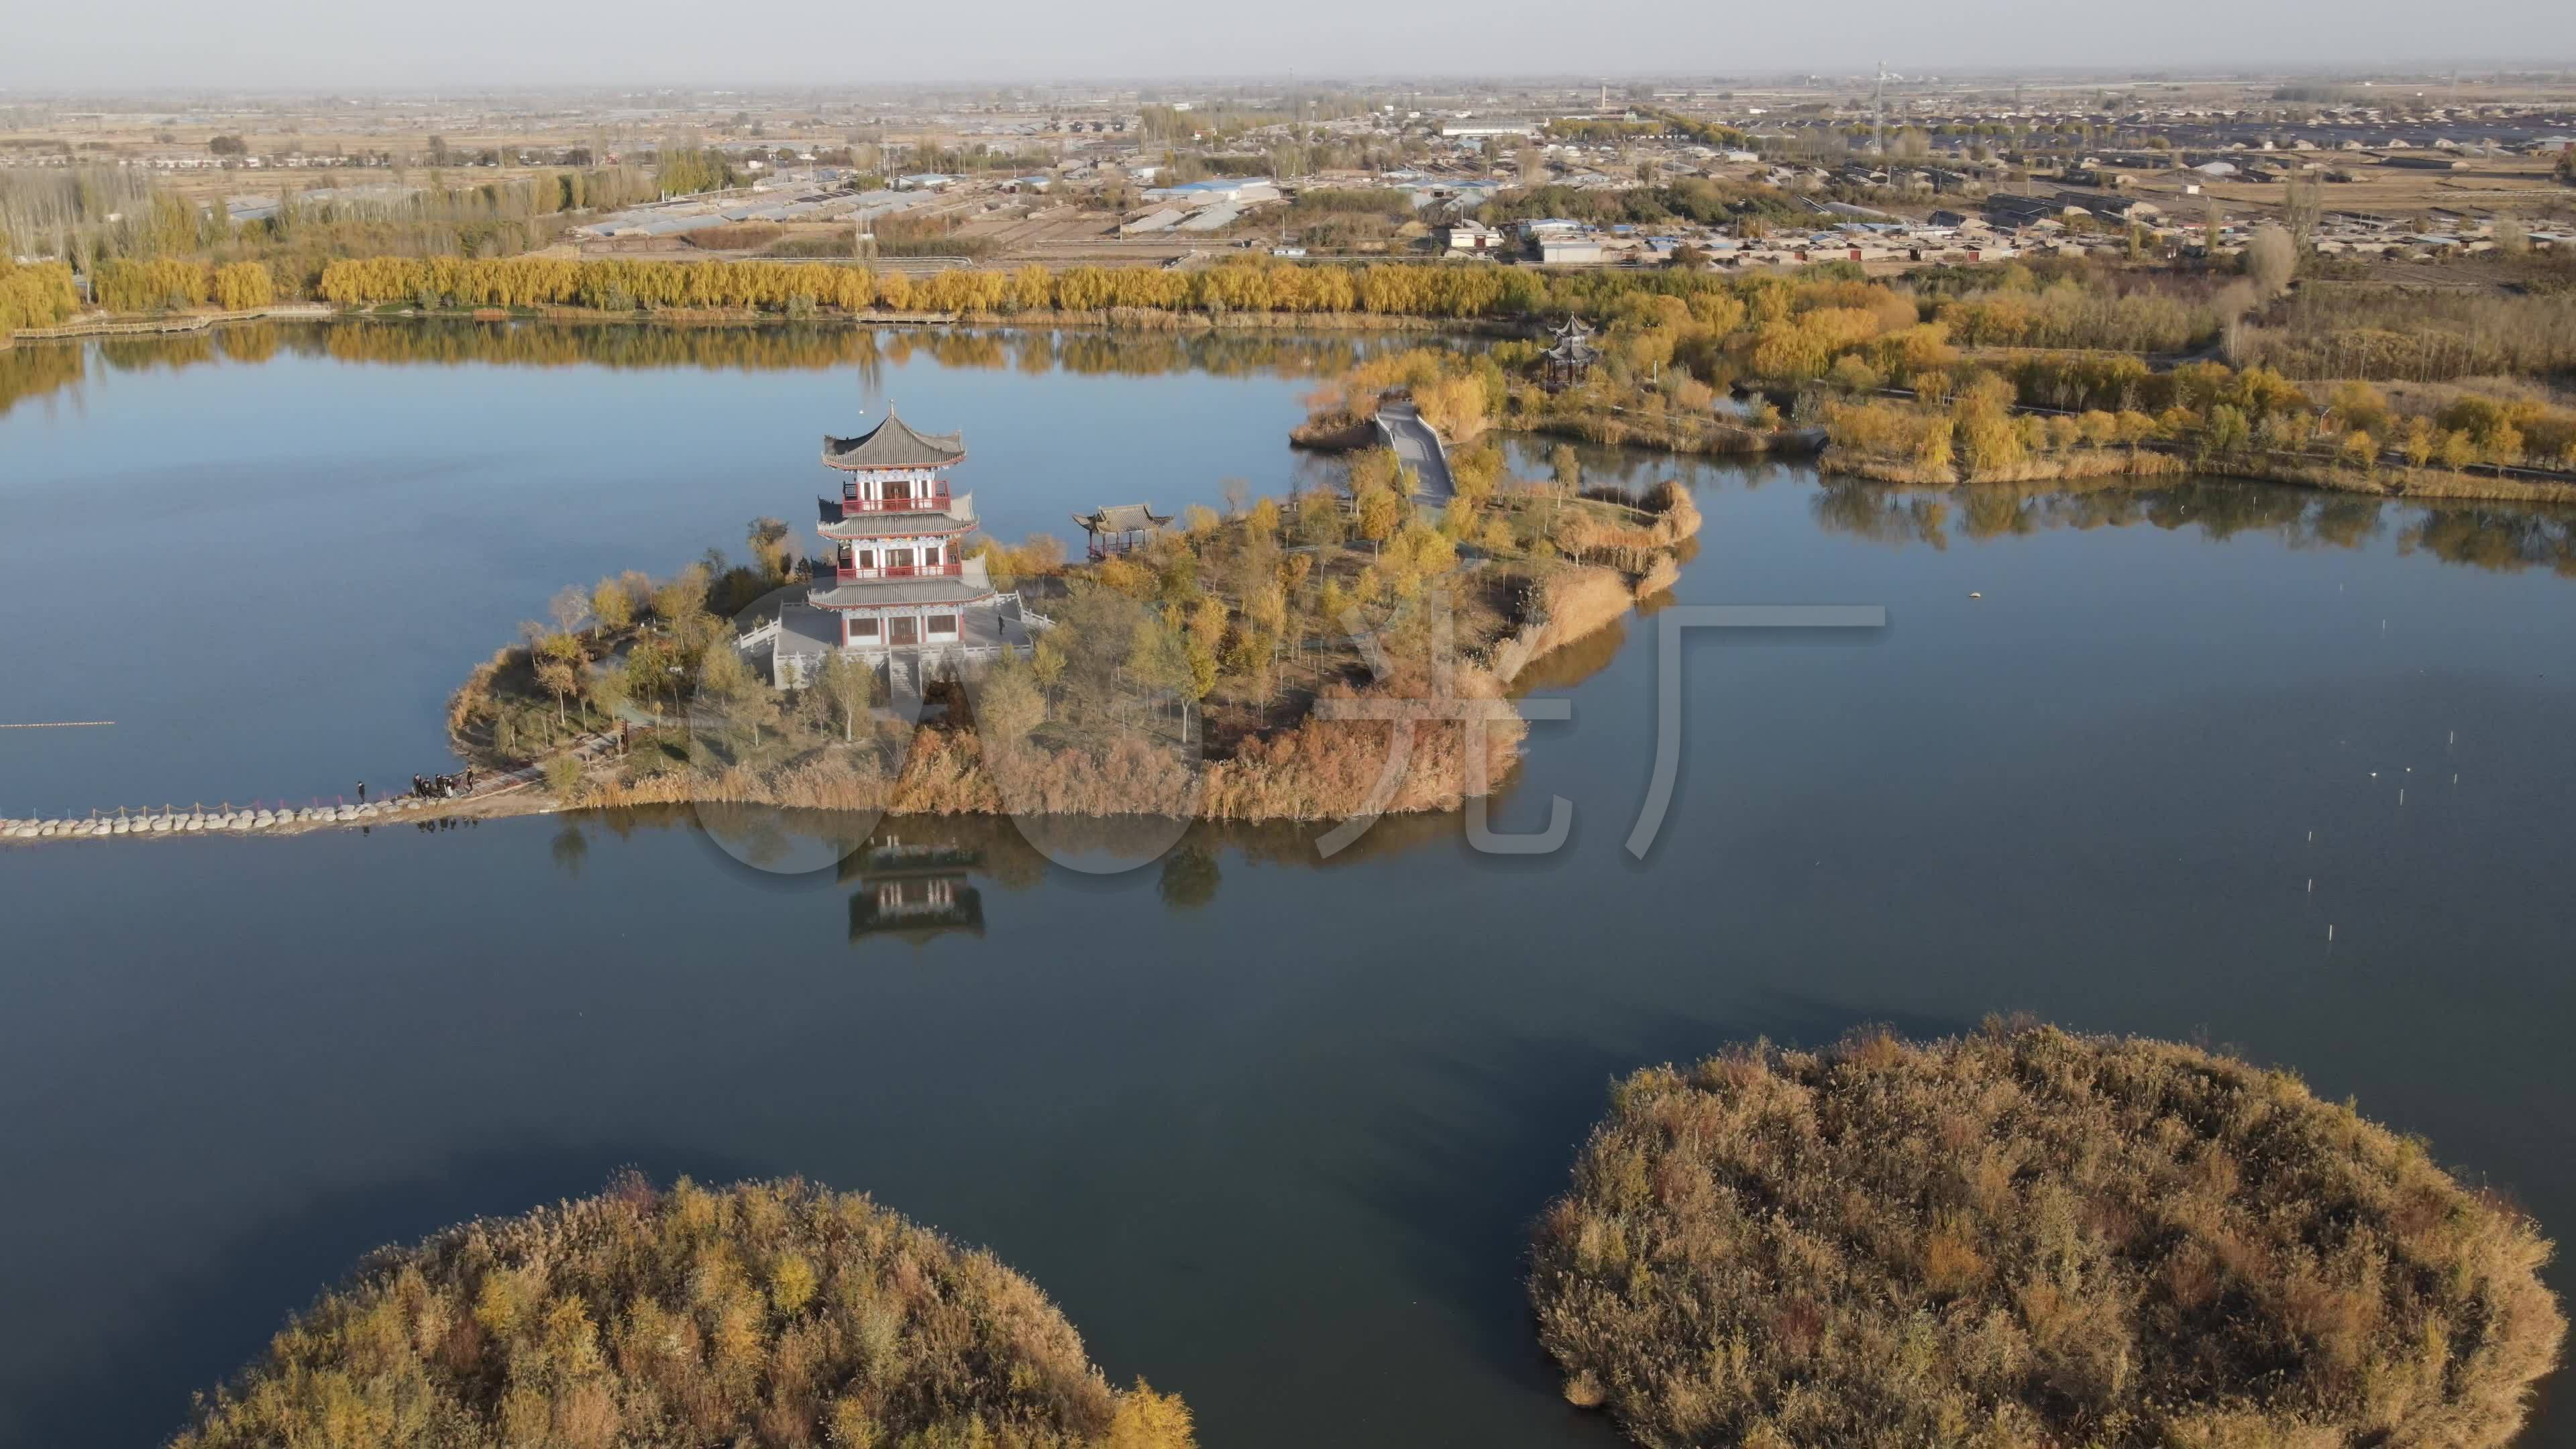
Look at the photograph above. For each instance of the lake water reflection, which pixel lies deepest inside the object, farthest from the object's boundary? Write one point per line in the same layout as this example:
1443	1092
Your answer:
1269	1126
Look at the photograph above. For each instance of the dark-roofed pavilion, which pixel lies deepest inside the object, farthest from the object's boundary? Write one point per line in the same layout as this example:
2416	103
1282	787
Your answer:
1119	527
1571	356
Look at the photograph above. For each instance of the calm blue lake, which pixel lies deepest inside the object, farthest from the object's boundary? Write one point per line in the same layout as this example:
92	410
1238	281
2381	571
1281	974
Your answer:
1269	1127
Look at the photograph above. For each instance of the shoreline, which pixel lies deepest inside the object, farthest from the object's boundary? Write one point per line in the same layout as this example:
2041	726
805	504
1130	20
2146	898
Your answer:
2153	465
1504	656
1580	600
1110	319
945	769
2396	482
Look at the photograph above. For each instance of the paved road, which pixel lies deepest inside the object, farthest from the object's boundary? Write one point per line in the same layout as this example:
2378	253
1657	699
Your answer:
1418	446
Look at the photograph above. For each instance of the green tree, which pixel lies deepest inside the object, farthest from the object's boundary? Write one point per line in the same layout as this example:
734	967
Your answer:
605	690
730	699
1007	706
557	676
1158	657
768	538
1474	472
1047	663
1319	518
2226	431
2417	443
564	776
611	606
1381	513
847	685
683	596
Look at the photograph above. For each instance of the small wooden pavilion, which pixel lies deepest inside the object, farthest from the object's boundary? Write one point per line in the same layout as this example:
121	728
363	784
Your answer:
1569	356
1119	527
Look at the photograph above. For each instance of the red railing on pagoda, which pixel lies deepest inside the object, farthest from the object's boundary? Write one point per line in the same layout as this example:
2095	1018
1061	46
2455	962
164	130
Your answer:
948	570
917	503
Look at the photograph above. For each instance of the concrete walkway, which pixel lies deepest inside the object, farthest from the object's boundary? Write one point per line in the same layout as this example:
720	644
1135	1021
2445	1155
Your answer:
1419	447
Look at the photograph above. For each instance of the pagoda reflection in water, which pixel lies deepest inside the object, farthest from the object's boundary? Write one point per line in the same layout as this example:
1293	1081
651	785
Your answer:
913	892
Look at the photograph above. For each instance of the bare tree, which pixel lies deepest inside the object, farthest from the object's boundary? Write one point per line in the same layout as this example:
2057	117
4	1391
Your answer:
2301	208
2271	259
569	608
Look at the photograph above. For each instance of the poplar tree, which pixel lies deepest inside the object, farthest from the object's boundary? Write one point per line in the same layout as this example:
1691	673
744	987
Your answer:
847	684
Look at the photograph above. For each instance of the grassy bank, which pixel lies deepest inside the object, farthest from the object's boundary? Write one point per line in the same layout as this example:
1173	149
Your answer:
2070	466
772	1313
2025	1237
1671	433
2155	465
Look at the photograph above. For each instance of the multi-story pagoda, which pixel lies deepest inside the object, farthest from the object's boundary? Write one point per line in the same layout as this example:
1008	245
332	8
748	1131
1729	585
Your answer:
891	585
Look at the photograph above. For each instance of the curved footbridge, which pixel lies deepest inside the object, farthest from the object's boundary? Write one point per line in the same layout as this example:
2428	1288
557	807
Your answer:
1417	445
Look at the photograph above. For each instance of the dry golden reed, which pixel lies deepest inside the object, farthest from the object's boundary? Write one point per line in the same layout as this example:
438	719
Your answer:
773	1314
2025	1237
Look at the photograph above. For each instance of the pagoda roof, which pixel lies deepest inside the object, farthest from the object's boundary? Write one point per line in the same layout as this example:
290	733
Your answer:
1122	518
1573	344
894	444
972	584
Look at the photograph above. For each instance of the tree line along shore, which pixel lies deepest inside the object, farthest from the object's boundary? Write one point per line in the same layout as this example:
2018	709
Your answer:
1235	624
2014	372
2007	377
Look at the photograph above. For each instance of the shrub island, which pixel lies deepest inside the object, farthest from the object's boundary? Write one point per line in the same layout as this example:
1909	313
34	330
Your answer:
770	1313
2027	1237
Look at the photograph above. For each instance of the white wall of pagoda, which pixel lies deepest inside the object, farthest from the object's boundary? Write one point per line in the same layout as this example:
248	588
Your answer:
884	627
893	558
871	486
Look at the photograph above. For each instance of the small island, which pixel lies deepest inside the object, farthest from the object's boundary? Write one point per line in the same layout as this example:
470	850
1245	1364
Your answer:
2029	1237
774	1313
1340	653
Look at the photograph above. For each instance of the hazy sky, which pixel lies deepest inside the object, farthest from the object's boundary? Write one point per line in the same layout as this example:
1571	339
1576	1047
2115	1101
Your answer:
163	44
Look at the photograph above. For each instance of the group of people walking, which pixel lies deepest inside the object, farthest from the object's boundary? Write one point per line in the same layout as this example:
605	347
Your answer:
443	787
